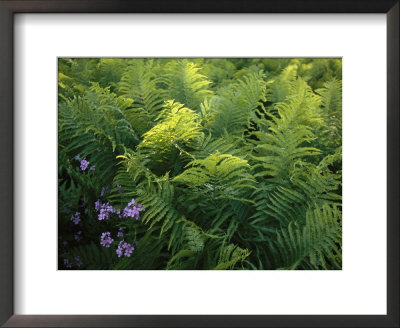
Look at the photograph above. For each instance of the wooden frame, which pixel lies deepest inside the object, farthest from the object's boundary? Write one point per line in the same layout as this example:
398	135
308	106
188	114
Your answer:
7	10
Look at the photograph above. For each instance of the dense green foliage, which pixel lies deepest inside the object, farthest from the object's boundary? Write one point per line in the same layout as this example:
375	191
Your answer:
236	161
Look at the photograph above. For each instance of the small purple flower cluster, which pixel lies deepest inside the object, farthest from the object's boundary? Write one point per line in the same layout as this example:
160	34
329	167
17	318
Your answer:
84	164
132	210
105	239
105	210
76	218
124	249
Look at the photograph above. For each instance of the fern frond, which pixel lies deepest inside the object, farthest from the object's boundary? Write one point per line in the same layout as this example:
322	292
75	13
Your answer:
318	242
280	87
189	240
217	170
132	175
212	189
178	130
230	256
330	134
100	114
109	71
158	201
234	107
94	257
226	144
331	96
288	133
185	83
140	83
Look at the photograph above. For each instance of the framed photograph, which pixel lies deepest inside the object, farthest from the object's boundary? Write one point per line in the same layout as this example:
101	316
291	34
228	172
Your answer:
202	164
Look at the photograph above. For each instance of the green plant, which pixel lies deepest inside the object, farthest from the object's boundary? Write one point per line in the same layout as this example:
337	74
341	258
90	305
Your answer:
200	164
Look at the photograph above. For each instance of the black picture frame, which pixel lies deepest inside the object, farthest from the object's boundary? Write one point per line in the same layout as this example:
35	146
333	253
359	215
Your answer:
10	7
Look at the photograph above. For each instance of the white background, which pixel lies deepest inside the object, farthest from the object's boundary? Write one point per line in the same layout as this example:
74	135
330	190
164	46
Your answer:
360	288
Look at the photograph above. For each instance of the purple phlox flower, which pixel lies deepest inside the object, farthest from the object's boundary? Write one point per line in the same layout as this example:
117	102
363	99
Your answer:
128	250
132	210
78	236
92	168
105	210
104	215
84	164
105	239
124	248
76	218
67	264
78	261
